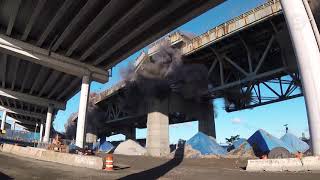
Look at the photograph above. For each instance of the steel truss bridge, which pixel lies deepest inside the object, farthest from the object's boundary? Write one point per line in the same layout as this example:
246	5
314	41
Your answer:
251	53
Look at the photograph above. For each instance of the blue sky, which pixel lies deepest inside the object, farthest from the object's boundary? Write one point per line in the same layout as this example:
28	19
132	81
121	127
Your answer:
270	117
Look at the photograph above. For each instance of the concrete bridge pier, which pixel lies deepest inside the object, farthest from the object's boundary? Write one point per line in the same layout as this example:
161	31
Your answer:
82	115
308	59
206	124
157	142
41	131
48	124
4	118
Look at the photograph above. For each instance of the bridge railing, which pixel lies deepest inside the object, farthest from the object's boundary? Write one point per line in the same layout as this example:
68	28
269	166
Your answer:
241	22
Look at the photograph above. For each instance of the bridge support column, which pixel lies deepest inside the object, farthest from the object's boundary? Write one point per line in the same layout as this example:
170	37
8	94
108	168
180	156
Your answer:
82	115
206	125
308	59
41	131
48	124
4	118
14	125
130	133
158	128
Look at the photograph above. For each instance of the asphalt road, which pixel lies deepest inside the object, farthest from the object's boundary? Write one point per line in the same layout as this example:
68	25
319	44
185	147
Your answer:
13	167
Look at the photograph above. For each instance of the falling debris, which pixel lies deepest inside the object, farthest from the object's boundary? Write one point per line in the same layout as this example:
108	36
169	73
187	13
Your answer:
295	144
162	74
206	145
95	120
131	148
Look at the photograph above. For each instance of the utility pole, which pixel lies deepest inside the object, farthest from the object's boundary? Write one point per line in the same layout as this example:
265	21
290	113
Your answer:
287	129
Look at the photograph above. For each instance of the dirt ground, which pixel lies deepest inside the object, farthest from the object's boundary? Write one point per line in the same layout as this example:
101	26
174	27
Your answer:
134	167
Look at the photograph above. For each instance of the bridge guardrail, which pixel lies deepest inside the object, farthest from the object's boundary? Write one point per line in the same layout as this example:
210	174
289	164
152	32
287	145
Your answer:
243	21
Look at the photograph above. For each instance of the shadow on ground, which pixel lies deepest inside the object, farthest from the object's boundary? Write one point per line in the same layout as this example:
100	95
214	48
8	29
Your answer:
4	176
157	172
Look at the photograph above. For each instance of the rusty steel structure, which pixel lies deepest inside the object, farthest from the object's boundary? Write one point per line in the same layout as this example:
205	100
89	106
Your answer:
251	53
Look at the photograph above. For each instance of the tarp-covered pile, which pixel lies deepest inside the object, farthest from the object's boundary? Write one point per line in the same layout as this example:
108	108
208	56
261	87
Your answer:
206	145
103	146
263	142
295	144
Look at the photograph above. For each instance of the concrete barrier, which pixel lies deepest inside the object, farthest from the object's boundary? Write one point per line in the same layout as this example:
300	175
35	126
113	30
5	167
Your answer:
311	163
92	162
290	164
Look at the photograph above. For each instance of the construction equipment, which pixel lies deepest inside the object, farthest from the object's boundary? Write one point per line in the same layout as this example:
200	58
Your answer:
57	145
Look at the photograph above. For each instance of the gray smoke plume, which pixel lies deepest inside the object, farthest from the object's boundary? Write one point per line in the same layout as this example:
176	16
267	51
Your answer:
162	74
95	120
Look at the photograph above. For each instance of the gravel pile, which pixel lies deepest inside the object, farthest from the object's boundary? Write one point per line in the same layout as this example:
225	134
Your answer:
131	148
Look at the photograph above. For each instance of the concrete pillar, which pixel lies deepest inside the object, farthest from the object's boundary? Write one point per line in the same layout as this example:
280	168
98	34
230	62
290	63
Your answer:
48	124
82	115
41	131
14	125
4	118
308	59
158	129
131	133
206	124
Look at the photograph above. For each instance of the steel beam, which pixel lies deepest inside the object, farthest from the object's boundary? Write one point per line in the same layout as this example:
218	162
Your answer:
33	18
151	21
31	99
55	61
22	112
14	12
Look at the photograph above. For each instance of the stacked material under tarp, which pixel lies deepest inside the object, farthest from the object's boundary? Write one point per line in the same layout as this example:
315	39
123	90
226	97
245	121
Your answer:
131	148
263	142
206	145
295	144
103	146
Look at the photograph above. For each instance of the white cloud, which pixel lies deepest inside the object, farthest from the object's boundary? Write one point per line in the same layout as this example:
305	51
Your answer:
236	121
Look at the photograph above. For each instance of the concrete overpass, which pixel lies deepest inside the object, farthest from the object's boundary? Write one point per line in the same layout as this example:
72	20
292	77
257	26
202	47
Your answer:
49	48
251	54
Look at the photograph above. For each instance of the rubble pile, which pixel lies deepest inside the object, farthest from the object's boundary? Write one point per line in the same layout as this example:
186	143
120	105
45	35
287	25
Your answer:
241	148
131	148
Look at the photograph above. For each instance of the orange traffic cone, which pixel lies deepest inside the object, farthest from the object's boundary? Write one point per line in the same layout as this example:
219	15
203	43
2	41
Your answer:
109	163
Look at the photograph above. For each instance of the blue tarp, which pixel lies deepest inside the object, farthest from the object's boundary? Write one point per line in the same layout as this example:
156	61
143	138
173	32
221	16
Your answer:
295	143
264	142
241	141
103	145
206	145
